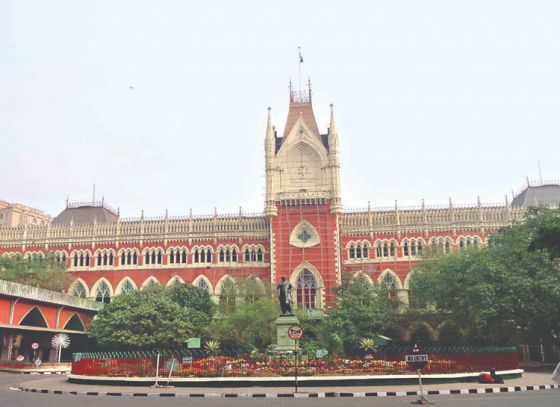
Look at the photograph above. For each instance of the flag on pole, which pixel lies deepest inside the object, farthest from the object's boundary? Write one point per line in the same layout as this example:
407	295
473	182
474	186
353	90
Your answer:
300	57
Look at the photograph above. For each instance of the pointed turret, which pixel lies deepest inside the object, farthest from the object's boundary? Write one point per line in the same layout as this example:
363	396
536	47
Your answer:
269	142
334	163
269	148
333	134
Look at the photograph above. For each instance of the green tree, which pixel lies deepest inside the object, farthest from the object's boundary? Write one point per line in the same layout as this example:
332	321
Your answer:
38	272
250	325
503	294
545	226
362	311
154	318
197	301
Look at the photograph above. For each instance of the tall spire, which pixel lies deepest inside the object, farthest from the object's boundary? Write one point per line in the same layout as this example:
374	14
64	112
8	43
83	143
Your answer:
334	163
269	150
269	142
269	129
332	126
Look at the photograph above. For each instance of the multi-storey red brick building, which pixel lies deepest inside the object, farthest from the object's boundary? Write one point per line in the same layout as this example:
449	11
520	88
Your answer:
304	233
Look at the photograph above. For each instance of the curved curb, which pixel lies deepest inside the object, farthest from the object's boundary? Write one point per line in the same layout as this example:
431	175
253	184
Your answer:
288	381
484	390
35	372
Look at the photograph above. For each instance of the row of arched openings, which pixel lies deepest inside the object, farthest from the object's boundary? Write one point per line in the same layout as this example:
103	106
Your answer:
411	247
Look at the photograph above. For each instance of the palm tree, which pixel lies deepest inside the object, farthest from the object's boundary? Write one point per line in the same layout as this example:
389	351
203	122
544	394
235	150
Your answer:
212	347
368	345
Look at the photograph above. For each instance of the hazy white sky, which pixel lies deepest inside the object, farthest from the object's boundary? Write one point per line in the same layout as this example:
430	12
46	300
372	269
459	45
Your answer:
163	104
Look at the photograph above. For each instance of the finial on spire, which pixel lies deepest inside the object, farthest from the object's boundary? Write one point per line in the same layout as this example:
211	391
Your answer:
269	120
332	126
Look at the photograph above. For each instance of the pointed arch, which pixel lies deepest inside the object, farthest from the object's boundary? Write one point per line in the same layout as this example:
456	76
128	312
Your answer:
364	276
204	283
125	286
383	276
76	288
254	289
102	290
319	295
407	279
34	317
75	323
220	284
149	281
175	280
227	291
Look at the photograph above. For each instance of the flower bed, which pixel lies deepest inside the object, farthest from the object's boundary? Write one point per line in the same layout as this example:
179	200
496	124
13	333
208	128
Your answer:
263	366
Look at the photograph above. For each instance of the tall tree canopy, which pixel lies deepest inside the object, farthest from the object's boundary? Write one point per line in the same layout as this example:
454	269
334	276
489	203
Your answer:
362	311
503	294
38	272
249	326
153	318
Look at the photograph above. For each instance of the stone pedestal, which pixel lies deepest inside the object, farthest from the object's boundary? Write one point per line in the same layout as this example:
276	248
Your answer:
283	342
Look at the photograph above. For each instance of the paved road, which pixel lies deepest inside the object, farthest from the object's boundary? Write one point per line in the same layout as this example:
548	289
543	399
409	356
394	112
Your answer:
10	398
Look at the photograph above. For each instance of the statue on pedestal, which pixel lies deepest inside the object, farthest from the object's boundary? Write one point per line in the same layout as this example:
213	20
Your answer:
285	296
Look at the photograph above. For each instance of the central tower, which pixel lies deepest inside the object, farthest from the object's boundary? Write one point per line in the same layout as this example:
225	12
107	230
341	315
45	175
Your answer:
303	203
302	164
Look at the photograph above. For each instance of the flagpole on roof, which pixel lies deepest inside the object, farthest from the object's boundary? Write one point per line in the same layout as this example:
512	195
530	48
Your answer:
299	68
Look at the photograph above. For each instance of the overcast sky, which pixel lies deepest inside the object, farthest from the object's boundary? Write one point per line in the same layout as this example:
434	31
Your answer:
163	104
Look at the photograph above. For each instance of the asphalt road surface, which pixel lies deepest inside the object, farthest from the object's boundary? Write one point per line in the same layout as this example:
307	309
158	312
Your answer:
12	398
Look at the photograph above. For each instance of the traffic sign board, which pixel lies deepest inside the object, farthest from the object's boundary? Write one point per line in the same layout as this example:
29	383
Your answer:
416	358
416	361
295	332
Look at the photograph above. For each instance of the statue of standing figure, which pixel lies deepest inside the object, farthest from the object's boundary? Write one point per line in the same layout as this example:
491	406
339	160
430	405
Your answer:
285	296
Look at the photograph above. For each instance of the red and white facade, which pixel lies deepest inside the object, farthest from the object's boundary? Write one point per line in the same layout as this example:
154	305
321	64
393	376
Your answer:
304	233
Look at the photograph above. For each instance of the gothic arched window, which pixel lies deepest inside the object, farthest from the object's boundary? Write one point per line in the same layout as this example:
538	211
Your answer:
351	252
202	284
392	249
447	246
103	293
127	287
79	290
389	281
476	242
379	250
227	295
306	290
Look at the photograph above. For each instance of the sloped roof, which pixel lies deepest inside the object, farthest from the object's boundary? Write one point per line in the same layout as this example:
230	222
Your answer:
305	110
86	214
548	194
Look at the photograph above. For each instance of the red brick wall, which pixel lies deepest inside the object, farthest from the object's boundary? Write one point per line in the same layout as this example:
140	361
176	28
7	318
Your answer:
322	256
